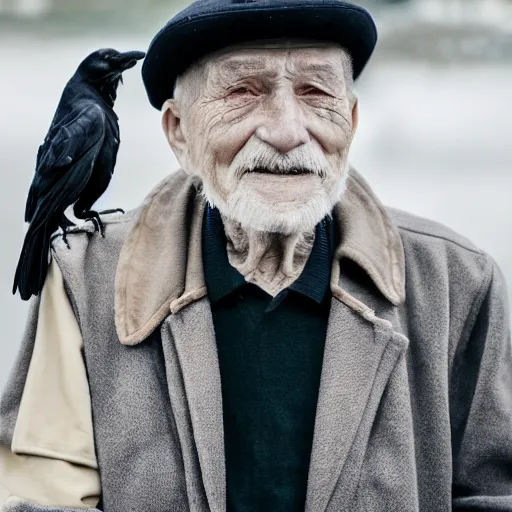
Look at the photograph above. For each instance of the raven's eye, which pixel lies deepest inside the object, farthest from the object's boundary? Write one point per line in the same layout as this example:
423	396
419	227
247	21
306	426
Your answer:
105	55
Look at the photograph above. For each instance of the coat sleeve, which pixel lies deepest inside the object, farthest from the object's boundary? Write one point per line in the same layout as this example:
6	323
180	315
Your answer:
47	454
482	426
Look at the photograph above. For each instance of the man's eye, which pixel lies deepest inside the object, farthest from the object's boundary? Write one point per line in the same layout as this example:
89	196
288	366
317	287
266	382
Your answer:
241	91
312	91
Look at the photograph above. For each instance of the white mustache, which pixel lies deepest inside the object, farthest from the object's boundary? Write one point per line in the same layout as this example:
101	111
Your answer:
256	155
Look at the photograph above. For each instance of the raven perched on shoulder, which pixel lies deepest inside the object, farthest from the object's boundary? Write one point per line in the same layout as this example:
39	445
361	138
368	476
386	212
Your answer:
75	162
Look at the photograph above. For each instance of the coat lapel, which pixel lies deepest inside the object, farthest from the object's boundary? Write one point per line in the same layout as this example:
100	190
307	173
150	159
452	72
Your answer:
194	337
359	357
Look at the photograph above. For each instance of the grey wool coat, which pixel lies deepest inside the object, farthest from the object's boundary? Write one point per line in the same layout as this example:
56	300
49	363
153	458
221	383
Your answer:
415	404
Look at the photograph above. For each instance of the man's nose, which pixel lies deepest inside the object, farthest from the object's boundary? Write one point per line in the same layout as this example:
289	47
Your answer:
285	127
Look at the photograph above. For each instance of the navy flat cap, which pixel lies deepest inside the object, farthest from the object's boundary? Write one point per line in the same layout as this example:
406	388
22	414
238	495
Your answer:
208	25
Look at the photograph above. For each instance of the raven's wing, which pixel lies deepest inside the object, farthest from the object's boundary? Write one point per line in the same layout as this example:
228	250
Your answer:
66	159
103	170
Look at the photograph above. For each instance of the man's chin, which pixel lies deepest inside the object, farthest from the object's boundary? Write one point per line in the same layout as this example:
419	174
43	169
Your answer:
284	191
270	214
278	204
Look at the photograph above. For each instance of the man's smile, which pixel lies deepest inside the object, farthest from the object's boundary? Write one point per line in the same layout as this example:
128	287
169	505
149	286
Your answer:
281	172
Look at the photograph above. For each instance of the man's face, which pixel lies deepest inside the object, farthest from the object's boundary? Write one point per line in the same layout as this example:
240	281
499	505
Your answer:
268	131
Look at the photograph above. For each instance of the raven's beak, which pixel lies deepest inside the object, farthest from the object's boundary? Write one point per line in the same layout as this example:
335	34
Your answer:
127	60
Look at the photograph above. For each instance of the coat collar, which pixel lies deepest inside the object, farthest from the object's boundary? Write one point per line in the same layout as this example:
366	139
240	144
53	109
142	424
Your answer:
160	269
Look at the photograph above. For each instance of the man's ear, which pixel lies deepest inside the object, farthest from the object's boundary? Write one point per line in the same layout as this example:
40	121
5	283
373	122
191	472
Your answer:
172	125
355	117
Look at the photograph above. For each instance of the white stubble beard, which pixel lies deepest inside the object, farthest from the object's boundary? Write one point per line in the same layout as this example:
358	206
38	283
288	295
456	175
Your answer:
253	212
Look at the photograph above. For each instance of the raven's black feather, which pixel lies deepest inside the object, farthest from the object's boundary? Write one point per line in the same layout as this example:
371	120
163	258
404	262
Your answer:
75	162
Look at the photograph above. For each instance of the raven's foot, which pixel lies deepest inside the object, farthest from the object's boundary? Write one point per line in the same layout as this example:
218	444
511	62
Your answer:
115	210
95	218
64	224
65	238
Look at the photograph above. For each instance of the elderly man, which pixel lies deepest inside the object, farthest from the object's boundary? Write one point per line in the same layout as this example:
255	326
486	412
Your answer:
262	334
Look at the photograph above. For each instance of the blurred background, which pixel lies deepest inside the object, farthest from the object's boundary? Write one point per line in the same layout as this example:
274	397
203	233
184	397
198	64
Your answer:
434	138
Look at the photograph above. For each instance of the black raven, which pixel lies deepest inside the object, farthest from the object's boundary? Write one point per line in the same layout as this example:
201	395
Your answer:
75	162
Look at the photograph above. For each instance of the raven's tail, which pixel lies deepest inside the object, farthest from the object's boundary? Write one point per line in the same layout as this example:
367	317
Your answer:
33	263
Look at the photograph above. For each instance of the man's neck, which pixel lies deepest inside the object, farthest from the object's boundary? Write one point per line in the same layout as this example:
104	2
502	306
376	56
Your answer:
272	261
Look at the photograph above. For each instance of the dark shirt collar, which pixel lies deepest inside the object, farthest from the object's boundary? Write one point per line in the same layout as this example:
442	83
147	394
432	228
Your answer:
315	279
222	279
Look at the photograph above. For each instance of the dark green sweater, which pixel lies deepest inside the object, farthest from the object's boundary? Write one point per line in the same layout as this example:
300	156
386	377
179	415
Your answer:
270	355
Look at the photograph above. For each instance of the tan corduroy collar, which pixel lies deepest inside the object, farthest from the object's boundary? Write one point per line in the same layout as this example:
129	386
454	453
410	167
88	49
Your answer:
160	269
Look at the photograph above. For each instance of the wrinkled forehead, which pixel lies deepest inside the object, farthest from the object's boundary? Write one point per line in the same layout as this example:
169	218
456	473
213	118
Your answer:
271	56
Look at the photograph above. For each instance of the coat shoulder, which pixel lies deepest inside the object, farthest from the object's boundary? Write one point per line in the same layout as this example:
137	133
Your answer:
88	261
430	232
438	258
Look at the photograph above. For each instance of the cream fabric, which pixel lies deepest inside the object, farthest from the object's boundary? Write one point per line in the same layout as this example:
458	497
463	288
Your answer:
52	460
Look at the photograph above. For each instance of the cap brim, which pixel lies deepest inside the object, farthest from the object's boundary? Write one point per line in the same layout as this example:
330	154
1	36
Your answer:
178	45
